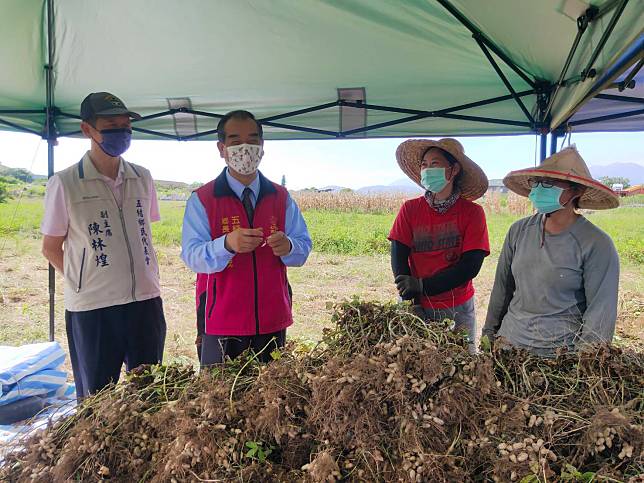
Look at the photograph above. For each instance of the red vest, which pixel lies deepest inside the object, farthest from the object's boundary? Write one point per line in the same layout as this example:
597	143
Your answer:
251	295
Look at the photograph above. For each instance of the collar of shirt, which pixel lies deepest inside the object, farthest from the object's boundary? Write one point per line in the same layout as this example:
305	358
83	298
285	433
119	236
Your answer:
238	187
119	175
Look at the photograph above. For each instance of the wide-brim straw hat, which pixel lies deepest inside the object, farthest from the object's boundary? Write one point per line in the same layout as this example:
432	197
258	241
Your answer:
473	182
565	165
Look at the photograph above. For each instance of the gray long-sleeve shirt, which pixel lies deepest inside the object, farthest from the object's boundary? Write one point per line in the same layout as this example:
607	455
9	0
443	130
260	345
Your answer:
563	294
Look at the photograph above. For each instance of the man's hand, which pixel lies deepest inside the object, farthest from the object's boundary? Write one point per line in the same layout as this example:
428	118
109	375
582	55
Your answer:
244	240
408	286
280	243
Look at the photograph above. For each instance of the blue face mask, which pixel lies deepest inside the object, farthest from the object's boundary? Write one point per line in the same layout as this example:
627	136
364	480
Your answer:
115	141
433	179
546	200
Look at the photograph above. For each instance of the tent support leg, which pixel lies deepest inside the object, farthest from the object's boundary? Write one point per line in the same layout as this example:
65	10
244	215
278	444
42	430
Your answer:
52	271
50	135
543	145
553	143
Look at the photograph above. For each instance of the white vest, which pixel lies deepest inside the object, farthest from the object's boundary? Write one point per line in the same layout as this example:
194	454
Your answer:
108	254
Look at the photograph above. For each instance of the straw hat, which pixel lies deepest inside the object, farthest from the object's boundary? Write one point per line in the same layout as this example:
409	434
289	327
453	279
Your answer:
566	165
473	182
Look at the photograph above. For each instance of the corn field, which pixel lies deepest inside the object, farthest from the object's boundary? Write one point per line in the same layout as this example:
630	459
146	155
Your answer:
506	203
351	202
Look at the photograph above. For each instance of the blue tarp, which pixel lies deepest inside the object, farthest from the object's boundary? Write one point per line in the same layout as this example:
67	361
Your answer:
32	370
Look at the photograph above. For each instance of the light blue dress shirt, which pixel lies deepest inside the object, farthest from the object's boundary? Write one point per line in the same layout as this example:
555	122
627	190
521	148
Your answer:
202	254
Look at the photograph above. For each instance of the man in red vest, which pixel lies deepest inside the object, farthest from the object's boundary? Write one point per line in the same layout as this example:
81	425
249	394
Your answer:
240	232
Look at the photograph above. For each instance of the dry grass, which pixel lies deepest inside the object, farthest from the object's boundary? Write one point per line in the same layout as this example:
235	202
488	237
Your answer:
349	202
510	203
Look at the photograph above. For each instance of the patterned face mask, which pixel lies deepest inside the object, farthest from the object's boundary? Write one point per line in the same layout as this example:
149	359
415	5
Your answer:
244	158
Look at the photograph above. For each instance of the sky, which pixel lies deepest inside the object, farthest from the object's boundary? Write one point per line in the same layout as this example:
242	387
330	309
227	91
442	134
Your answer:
351	163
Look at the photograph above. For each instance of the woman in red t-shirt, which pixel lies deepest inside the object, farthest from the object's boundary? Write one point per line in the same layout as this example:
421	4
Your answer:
439	240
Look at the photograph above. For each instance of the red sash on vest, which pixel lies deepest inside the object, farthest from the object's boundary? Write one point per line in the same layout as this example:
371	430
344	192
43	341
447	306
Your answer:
250	296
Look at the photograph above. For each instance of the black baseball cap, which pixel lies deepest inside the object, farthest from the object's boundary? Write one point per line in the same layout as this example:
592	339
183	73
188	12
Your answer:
104	104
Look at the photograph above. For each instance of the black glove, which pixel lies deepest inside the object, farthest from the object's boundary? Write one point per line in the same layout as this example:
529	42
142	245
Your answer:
408	286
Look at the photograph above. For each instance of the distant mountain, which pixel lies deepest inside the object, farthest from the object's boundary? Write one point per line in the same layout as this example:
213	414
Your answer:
633	171
177	185
402	185
20	174
389	189
404	182
333	188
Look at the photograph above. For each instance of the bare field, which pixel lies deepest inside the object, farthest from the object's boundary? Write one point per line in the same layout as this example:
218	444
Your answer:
326	278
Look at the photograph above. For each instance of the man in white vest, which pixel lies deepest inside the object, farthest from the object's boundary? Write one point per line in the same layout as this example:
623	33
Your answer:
96	233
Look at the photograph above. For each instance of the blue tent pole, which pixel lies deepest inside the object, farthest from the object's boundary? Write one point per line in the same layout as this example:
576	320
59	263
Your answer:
553	143
544	144
50	134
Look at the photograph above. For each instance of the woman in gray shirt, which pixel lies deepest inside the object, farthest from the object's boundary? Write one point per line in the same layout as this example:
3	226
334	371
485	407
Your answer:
557	277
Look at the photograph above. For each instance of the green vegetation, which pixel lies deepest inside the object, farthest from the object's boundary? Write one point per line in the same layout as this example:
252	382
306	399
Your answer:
626	228
21	219
167	232
347	233
19	174
4	190
635	200
611	180
174	190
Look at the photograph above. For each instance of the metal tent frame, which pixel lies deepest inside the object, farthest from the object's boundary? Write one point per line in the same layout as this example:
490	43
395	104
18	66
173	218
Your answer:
537	122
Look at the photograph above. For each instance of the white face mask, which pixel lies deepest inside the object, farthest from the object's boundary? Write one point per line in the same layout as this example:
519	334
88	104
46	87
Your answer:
244	158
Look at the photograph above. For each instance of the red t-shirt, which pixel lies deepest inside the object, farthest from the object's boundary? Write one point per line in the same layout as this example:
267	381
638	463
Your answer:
438	240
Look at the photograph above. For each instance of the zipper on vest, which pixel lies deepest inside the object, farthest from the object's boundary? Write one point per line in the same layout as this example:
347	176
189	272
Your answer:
214	296
250	223
80	275
127	240
129	250
256	297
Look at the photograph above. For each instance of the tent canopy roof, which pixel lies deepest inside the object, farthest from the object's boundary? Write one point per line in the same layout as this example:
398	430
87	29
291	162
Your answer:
272	58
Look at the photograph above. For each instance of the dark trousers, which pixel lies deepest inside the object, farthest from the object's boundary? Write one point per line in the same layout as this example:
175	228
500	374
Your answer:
215	348
101	340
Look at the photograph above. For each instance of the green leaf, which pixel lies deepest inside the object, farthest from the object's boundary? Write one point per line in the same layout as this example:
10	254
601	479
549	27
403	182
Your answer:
261	456
588	476
251	452
486	345
276	355
253	449
570	473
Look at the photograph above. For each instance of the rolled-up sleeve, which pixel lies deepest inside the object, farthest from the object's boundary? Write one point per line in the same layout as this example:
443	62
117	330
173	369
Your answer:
199	251
298	234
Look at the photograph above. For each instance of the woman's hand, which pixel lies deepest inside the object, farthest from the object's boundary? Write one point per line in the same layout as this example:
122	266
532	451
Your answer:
408	286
